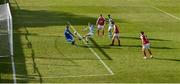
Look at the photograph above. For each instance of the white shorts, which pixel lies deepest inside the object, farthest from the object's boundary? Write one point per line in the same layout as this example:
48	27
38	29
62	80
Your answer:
110	28
100	27
116	35
146	46
90	34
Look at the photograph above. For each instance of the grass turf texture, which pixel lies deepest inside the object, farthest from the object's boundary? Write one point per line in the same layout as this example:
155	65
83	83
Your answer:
43	55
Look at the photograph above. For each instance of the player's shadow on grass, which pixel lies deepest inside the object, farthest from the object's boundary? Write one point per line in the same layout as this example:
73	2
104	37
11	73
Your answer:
100	49
167	59
122	46
152	47
136	38
100	46
162	48
151	39
61	53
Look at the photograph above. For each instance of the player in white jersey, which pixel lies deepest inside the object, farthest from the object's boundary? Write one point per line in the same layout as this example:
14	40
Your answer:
91	32
110	20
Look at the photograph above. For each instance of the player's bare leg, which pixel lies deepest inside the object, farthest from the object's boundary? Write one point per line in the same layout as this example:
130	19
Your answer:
113	38
119	42
144	52
98	32
150	53
103	32
112	42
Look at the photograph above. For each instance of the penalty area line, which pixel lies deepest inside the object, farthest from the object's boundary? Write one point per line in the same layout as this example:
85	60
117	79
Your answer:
56	77
175	17
98	57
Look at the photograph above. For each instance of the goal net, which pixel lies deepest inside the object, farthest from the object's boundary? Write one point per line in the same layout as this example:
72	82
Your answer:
6	34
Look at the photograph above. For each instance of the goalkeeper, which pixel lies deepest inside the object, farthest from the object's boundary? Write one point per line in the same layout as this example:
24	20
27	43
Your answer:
91	32
68	35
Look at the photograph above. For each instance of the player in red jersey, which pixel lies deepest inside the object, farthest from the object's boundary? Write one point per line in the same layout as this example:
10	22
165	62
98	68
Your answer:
145	45
115	34
101	23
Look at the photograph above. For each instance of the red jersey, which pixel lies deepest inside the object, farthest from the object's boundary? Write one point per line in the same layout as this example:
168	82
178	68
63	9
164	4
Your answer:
101	21
144	39
116	30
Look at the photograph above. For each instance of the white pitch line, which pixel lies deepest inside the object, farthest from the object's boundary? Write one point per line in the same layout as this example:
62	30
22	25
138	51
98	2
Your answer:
99	58
3	34
175	17
42	22
75	76
4	56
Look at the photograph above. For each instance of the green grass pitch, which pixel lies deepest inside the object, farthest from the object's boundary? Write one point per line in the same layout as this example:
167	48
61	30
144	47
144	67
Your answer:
43	56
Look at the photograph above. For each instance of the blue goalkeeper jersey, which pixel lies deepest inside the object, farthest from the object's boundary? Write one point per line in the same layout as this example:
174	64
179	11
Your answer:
68	34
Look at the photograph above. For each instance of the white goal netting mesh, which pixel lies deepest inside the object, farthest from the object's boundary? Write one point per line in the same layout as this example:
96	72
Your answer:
6	35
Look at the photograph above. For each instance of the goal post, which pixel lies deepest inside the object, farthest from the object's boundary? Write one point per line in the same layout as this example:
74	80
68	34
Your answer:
6	36
6	31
